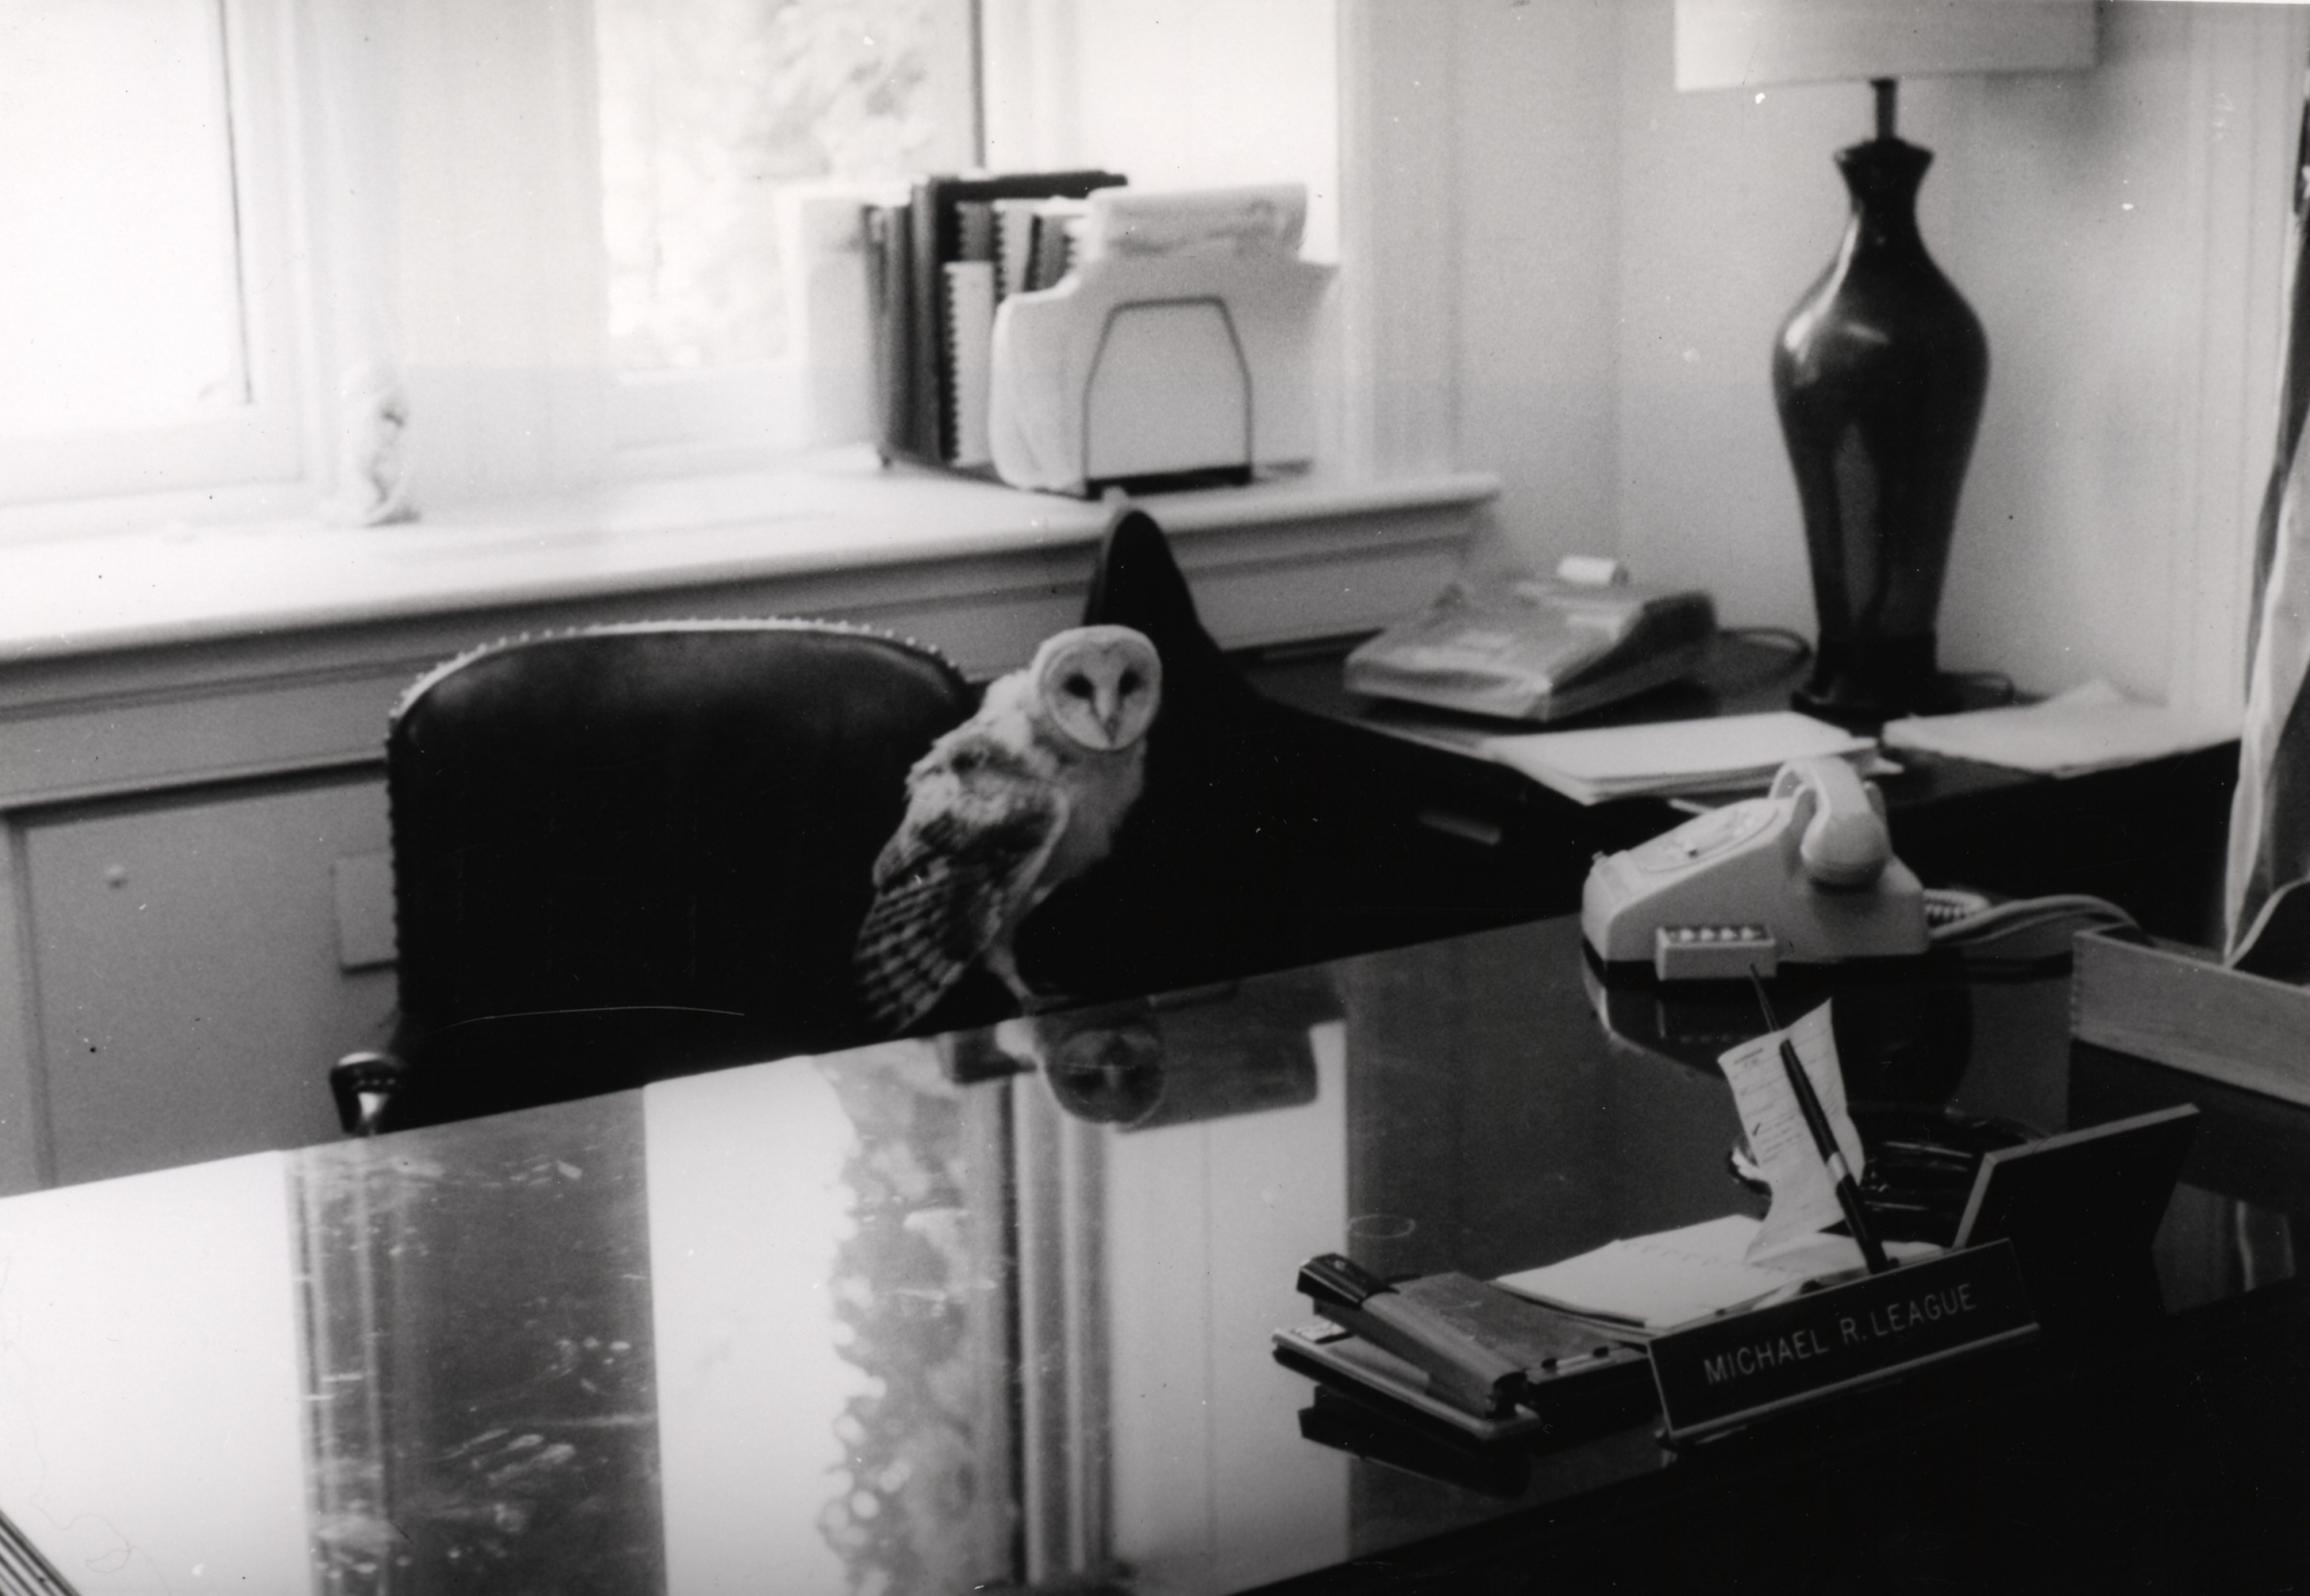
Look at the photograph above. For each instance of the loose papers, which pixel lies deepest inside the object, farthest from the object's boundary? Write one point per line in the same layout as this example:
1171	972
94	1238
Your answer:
1645	1284
1651	1282
1669	759
2090	728
1804	1196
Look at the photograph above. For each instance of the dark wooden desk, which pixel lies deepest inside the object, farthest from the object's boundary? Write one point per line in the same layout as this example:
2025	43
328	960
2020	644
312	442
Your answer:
1476	844
990	1312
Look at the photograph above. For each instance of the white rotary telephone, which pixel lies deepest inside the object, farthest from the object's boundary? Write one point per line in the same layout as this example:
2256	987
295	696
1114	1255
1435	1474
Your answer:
1805	875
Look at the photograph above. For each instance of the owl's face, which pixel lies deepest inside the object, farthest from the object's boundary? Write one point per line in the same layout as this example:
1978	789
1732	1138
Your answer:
1100	685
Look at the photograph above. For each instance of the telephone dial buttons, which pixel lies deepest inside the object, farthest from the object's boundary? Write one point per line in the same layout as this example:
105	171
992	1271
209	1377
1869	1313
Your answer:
1713	952
1704	837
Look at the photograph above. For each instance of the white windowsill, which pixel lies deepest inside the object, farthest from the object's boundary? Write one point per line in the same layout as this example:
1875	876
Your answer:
831	513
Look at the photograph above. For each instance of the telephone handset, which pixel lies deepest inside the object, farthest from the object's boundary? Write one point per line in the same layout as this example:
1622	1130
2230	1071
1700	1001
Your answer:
1802	875
1844	842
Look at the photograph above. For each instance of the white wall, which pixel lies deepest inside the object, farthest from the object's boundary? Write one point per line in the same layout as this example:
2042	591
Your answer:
1537	150
1623	254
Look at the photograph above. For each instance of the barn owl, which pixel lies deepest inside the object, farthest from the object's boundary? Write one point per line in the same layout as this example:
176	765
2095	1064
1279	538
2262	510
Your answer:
1024	795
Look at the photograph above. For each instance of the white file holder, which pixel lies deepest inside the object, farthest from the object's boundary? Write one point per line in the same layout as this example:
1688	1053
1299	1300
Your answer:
1139	366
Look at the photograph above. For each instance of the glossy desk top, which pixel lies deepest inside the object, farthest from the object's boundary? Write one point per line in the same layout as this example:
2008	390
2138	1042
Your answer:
986	1312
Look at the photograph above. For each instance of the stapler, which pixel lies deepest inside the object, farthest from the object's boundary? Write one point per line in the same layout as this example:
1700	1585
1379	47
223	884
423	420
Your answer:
1804	875
1482	1352
1460	1367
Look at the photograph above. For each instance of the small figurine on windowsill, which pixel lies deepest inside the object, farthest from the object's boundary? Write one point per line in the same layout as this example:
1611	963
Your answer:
374	471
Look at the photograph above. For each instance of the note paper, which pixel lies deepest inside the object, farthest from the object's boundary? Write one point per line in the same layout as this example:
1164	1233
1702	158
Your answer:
1645	1284
1651	1282
1804	1197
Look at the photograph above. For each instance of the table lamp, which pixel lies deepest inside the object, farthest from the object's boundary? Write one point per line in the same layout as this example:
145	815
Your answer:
1880	370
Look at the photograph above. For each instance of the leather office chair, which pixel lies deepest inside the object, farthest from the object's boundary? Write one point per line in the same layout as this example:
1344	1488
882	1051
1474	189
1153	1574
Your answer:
638	851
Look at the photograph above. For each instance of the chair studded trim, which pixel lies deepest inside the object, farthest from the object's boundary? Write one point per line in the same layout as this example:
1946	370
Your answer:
636	629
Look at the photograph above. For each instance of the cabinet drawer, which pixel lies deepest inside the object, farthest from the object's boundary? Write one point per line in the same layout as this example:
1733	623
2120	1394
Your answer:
189	970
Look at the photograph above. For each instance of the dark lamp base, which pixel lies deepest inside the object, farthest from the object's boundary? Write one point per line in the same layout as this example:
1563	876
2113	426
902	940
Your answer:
1879	375
1899	679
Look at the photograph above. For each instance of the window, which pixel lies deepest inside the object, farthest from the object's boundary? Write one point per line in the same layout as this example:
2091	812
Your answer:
145	328
581	240
716	118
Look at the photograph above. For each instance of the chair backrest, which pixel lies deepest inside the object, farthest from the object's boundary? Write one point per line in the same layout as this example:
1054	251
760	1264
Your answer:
635	850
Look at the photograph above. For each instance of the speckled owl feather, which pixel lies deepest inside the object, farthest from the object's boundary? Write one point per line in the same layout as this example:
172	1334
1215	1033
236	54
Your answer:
1024	795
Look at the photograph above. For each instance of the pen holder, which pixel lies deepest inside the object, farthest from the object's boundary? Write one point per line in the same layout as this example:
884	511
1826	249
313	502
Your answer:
1921	1166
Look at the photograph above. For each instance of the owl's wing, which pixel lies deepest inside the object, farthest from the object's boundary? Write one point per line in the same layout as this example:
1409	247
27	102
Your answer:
979	829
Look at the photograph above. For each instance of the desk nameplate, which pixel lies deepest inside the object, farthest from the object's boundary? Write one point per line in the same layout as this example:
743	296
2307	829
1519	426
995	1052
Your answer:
1726	1371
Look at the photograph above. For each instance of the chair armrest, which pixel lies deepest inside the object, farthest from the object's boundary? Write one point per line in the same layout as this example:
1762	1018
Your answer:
363	1084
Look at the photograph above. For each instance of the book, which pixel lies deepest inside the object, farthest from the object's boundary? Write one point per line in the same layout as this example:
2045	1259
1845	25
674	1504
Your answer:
935	224
890	292
969	359
1014	245
1055	243
974	230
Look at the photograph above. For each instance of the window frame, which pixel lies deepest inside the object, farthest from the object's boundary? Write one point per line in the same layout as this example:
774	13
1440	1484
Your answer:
253	456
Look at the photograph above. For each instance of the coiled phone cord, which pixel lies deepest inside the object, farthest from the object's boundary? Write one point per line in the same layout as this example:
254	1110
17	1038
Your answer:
2023	931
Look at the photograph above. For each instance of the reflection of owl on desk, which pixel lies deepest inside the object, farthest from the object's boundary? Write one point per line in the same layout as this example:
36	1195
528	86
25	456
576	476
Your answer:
1026	795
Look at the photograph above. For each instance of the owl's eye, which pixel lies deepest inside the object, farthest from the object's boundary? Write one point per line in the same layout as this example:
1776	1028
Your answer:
1130	682
1077	685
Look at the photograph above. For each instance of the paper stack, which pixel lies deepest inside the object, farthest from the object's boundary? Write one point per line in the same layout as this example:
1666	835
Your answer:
1646	1284
2090	728
1674	757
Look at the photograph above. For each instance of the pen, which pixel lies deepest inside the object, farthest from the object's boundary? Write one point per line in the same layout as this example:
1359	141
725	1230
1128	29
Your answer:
1817	1120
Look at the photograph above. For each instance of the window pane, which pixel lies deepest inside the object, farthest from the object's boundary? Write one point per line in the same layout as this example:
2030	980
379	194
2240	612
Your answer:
710	107
119	293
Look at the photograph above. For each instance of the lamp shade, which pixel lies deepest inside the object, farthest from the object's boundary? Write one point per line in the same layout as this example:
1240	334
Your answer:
1753	44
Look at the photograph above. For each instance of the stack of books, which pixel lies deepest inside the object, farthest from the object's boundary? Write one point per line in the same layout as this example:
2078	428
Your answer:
937	266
